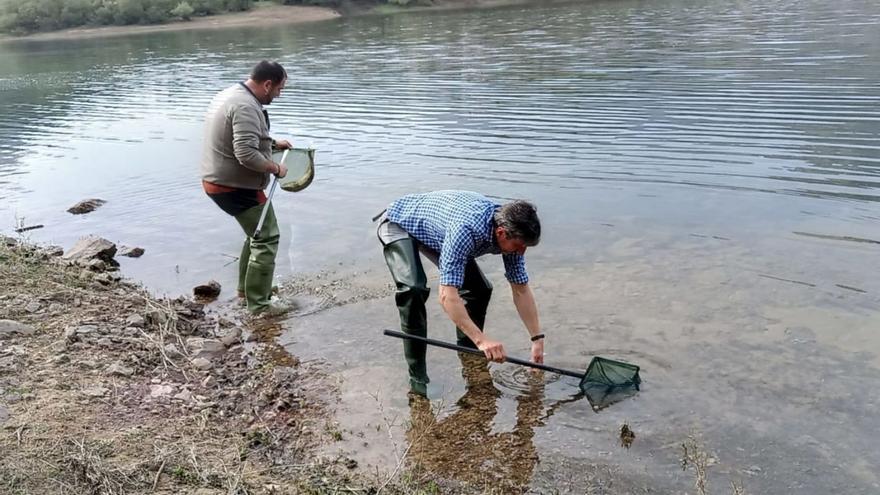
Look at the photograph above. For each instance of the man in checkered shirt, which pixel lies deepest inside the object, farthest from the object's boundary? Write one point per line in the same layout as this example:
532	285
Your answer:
452	229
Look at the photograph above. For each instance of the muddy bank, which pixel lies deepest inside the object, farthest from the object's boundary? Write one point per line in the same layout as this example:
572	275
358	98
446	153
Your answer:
106	389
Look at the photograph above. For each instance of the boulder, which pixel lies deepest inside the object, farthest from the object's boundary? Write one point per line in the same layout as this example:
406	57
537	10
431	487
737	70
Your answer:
92	247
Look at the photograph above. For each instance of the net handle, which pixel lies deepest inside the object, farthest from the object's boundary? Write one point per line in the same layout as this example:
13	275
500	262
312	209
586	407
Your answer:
447	345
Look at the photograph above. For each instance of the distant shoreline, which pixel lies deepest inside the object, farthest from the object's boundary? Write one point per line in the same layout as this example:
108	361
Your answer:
259	16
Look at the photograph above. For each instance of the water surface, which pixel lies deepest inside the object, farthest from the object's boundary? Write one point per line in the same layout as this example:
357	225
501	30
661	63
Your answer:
707	174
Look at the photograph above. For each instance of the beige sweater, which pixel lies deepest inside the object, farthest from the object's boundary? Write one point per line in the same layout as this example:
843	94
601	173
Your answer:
238	148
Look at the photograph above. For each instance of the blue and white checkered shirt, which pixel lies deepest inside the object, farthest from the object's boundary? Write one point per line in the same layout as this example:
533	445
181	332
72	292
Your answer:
460	226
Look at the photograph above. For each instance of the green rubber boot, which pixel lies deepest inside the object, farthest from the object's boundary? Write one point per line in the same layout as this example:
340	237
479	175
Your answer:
406	269
260	268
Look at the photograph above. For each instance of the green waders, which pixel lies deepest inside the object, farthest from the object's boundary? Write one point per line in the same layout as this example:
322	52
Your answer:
402	257
256	266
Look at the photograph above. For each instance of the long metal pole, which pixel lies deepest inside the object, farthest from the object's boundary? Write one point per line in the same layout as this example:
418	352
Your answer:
447	345
268	200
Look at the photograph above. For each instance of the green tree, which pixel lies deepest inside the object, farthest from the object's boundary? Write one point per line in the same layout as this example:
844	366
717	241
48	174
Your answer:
183	10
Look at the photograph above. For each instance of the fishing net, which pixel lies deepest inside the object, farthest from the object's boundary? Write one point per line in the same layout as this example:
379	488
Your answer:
608	381
300	164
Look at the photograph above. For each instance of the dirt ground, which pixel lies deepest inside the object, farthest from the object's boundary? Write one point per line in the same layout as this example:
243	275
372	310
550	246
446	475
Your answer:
107	390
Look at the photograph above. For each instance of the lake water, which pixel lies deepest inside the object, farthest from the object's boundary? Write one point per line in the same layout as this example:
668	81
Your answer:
707	173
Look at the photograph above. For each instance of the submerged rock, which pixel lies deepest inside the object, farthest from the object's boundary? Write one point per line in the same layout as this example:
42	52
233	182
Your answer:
86	206
131	252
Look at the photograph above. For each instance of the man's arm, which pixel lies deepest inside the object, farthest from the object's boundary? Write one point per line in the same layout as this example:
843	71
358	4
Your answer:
454	307
246	142
524	301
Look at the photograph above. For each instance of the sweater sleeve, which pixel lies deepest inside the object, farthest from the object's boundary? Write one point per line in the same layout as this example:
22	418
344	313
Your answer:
246	139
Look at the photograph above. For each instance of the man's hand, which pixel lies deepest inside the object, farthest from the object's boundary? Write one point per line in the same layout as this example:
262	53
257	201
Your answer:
493	350
283	144
538	351
282	170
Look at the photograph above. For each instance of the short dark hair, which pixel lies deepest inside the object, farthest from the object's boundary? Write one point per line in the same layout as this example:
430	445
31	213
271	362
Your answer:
520	220
268	71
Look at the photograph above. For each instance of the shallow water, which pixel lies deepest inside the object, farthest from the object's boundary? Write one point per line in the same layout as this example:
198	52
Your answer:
707	175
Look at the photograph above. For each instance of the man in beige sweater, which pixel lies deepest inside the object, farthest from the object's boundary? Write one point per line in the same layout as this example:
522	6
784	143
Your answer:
236	165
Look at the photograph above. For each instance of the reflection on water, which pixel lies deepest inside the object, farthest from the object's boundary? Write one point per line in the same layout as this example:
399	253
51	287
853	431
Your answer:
462	444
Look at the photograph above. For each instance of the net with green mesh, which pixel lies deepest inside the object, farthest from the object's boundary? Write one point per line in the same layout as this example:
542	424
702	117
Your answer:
300	163
608	381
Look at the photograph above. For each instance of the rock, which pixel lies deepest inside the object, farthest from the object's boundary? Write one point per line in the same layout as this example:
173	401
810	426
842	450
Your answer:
131	252
108	278
136	321
202	363
55	308
155	317
72	333
9	328
87	364
8	362
205	348
53	251
172	351
105	342
117	368
92	247
86	206
209	382
4	414
184	395
95	265
207	291
13	398
33	307
58	347
95	391
232	338
157	391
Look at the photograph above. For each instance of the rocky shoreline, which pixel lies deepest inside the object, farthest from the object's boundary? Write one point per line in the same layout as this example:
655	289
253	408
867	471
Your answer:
106	389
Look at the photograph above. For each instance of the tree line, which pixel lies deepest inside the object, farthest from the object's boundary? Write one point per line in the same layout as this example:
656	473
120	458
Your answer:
29	16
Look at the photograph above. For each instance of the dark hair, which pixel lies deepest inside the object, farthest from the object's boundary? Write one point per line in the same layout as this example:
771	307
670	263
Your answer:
520	220
268	71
